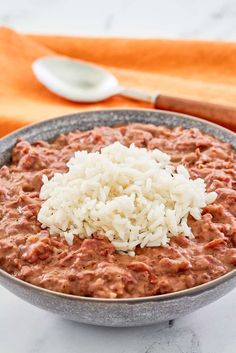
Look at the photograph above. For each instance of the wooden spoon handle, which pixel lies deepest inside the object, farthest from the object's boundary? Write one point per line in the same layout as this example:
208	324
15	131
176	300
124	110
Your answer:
219	114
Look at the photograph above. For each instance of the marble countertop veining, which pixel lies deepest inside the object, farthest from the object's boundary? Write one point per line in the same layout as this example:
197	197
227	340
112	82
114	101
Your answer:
212	329
202	19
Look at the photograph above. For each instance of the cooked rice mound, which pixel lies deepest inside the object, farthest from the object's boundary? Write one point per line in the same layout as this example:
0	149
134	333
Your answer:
133	196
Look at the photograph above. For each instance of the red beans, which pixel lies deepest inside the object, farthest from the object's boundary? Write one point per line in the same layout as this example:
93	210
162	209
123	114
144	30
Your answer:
91	267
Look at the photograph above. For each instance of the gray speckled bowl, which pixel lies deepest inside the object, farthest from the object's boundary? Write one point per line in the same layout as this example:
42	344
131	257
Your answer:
116	312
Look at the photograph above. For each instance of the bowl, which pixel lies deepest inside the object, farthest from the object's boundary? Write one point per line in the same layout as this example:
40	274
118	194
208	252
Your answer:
116	312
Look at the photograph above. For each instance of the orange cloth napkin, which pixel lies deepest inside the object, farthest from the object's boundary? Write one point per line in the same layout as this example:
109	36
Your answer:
194	69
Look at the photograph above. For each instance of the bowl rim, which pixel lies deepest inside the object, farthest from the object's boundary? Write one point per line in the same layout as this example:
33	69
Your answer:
160	297
115	110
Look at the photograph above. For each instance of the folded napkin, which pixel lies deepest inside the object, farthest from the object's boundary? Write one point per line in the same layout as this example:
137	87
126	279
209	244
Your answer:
191	69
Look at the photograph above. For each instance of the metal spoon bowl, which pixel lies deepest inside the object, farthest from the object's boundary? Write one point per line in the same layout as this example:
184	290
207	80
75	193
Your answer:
78	81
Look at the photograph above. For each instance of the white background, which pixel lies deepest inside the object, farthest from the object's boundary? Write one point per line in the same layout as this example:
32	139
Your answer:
26	329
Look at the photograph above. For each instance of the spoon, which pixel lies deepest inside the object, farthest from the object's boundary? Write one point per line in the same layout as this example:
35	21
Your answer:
79	81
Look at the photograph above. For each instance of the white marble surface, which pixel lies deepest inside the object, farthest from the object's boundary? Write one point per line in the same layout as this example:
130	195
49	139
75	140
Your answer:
207	19
26	329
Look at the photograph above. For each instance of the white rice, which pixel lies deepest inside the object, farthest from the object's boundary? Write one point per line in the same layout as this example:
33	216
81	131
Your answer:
131	195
